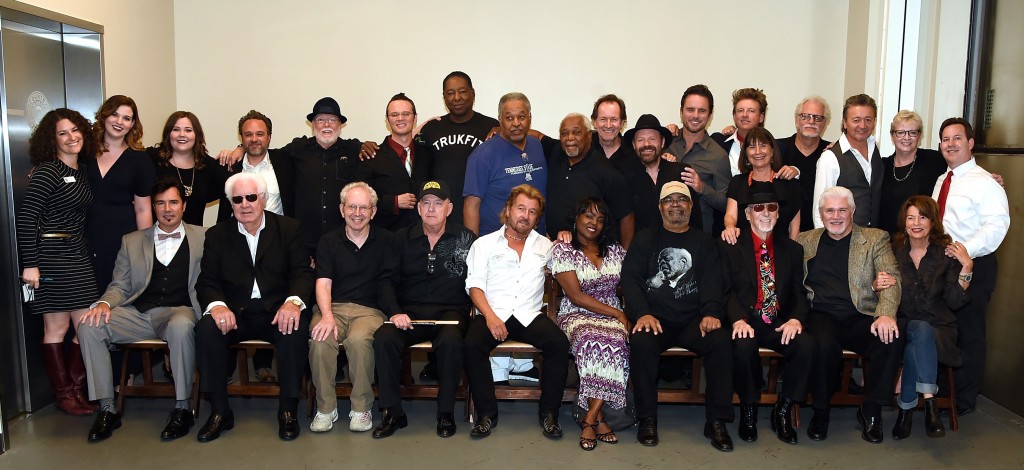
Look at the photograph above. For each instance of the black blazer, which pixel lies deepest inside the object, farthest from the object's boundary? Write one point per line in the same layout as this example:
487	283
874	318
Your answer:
285	172
932	293
281	267
386	174
742	279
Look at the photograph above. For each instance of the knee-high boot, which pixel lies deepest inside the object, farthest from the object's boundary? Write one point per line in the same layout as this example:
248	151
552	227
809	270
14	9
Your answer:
60	379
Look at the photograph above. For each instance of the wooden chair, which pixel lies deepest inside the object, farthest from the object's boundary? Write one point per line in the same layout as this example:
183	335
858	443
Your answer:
149	387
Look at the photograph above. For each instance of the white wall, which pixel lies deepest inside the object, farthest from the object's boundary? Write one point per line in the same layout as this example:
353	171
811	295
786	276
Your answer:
280	57
138	52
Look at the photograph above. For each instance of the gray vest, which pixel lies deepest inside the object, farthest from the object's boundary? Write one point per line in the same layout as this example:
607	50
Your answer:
867	196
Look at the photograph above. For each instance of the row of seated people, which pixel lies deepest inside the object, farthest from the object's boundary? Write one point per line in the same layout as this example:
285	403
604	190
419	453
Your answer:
671	278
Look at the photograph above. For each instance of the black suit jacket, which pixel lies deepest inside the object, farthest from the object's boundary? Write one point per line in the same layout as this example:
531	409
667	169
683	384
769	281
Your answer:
386	174
281	267
742	279
285	173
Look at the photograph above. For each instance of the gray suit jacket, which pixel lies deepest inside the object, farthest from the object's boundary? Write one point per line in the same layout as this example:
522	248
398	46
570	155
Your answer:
870	253
134	266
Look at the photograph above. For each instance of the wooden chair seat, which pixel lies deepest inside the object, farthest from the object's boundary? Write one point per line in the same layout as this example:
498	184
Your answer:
149	387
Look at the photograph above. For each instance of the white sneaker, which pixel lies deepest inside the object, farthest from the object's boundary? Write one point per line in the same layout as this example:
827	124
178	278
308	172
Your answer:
360	421
323	422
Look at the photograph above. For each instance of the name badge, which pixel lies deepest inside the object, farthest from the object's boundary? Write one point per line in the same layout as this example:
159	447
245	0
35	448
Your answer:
69	179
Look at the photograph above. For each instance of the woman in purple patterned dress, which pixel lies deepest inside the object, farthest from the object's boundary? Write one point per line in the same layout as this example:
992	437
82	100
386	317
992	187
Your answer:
591	315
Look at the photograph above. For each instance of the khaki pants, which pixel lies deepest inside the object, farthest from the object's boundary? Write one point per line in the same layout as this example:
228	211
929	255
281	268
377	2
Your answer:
356	326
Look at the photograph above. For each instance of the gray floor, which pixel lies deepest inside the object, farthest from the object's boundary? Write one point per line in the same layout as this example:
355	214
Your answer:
992	437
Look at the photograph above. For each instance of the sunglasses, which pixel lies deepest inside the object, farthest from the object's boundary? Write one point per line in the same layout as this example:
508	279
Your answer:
771	206
248	197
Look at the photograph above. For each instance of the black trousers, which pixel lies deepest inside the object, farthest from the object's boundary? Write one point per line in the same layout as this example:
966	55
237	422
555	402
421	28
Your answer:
213	356
645	350
541	333
389	343
971	331
854	333
746	364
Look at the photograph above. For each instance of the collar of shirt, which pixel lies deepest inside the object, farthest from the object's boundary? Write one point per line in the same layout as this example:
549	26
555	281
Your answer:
844	145
251	239
263	164
964	167
400	149
157	231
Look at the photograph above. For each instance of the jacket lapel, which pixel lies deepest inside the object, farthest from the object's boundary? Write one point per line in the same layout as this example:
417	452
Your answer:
859	253
264	242
148	250
749	268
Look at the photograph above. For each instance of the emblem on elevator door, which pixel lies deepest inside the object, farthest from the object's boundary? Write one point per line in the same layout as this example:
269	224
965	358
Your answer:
36	106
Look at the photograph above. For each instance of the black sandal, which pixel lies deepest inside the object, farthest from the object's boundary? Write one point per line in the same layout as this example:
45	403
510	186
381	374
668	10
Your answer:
606	437
587	443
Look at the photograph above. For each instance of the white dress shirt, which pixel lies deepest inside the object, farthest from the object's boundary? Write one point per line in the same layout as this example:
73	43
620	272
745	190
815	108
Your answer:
827	172
734	154
168	247
977	213
513	285
265	169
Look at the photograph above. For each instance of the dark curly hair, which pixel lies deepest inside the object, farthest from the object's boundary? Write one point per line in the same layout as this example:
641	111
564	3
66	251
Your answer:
107	109
42	146
608	235
198	150
927	207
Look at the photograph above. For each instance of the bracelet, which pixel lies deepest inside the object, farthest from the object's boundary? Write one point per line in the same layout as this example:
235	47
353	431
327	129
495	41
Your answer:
966	277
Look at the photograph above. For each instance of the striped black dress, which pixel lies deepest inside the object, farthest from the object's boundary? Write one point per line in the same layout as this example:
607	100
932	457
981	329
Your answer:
55	202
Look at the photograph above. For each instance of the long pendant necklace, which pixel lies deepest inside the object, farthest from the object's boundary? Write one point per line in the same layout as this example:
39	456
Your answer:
897	178
188	187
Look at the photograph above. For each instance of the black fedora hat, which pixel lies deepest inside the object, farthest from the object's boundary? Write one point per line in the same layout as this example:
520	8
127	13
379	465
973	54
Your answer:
326	105
649	121
761	192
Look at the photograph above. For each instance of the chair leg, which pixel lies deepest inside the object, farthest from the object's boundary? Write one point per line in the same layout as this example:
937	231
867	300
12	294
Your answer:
123	383
954	422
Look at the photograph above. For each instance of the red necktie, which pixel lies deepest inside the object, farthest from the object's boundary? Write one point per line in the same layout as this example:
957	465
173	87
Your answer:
943	192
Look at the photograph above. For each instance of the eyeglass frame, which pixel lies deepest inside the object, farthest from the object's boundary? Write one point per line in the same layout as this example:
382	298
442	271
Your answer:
251	197
809	117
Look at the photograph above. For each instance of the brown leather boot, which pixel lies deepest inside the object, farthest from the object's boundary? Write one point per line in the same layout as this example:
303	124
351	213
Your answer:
60	379
76	367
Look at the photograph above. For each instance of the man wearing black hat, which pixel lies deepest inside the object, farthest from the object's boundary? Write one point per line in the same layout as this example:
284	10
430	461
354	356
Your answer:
648	172
672	287
766	304
430	283
323	164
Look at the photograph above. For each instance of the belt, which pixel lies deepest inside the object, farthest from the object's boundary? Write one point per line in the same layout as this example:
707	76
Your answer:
56	235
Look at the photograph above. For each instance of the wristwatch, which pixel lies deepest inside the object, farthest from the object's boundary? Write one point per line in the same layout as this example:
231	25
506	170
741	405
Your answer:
966	277
296	302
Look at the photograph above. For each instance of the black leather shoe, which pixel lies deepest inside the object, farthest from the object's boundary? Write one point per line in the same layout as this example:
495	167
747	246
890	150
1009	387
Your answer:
483	426
782	420
216	424
932	421
287	426
870	427
647	432
104	426
818	429
549	424
392	422
715	430
445	424
179	423
901	430
748	423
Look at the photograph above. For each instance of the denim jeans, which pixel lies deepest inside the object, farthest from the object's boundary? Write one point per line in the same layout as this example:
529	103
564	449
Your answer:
920	363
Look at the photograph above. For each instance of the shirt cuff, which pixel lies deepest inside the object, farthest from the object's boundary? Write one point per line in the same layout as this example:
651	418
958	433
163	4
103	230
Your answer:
302	305
98	302
213	304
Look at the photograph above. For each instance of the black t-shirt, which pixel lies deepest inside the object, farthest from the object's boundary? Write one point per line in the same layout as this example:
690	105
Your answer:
918	178
592	176
450	144
828	276
360	275
808	165
429	281
672	276
789	202
319	176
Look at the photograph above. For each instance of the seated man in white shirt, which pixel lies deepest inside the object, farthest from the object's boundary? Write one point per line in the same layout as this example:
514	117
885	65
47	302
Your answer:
505	281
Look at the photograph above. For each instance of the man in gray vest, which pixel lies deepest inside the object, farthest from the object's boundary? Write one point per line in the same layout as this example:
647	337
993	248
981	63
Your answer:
854	162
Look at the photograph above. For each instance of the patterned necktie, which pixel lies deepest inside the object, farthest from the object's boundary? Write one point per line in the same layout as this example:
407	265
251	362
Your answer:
408	161
943	193
164	236
770	303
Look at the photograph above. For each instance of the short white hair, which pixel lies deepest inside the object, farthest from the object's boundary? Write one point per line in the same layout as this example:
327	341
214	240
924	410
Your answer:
836	192
584	119
229	185
343	195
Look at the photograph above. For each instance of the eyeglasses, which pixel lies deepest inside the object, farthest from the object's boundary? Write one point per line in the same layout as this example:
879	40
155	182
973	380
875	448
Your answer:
403	114
808	117
248	197
675	201
771	206
903	133
330	120
431	257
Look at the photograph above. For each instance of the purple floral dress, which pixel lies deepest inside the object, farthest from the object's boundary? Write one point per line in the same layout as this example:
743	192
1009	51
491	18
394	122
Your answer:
599	343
